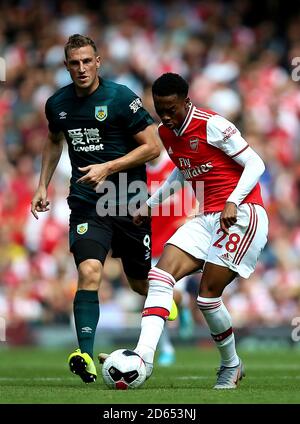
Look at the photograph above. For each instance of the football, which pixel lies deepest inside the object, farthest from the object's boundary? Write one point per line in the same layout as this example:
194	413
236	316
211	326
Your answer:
124	369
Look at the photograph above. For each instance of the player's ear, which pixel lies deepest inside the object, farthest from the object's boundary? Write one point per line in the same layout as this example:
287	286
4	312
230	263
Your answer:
66	65
187	103
98	62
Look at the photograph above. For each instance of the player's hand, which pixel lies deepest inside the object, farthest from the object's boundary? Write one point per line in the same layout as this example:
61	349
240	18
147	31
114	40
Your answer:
94	174
142	214
39	202
228	216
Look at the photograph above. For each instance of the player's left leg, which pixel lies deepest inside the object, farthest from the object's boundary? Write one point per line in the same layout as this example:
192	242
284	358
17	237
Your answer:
215	278
86	316
229	256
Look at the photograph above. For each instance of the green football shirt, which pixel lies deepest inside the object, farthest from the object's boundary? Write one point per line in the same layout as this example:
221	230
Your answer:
98	128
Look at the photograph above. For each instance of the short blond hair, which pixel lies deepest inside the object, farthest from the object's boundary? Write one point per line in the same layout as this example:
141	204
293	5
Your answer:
76	41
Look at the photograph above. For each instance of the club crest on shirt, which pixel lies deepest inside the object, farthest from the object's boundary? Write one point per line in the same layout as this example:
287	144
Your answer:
82	228
101	113
194	143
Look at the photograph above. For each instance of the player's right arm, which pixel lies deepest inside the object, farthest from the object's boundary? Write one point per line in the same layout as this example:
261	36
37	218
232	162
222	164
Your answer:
173	183
50	157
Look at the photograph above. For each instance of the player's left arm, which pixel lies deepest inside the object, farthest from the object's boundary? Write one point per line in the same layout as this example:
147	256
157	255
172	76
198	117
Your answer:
148	149
224	135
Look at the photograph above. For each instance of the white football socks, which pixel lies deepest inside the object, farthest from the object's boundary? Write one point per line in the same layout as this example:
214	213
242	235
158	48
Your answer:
219	322
157	308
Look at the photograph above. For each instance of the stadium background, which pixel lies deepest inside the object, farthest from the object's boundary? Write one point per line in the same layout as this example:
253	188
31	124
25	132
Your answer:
237	57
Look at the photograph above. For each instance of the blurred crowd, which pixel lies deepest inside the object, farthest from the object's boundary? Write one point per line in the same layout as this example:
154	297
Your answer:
237	62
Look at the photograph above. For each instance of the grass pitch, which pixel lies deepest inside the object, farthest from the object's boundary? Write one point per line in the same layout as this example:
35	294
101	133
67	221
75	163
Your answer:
35	376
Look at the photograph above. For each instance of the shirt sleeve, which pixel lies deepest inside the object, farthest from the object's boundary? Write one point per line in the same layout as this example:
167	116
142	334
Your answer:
253	169
173	183
132	113
224	135
52	123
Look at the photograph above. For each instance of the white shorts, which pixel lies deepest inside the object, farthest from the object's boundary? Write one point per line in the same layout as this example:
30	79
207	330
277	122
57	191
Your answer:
203	238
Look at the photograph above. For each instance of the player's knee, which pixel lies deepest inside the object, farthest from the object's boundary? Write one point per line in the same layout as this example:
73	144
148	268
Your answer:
177	262
89	274
168	265
209	289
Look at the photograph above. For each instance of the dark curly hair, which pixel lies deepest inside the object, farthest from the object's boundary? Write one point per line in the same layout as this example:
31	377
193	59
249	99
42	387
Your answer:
170	83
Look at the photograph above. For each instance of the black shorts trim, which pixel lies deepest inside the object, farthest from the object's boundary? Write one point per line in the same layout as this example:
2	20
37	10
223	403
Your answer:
88	249
135	271
127	241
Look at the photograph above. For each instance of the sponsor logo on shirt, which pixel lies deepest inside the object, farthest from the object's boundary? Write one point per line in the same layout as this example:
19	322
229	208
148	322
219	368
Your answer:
184	162
136	105
101	113
197	170
228	133
86	139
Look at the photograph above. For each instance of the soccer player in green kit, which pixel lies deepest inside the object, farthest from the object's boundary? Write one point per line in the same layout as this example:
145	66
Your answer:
107	131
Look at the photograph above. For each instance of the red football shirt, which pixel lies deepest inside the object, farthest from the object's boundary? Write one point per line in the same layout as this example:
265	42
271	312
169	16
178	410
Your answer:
167	217
204	149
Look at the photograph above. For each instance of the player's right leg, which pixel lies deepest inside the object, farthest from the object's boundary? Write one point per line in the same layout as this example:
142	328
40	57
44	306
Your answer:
183	254
173	265
215	278
89	256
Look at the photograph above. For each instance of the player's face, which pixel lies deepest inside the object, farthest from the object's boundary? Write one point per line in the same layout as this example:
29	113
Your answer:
172	110
83	65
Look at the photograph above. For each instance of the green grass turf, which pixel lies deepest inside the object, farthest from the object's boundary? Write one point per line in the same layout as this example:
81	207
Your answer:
34	376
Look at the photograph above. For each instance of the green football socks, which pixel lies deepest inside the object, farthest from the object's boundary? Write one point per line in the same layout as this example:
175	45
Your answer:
86	314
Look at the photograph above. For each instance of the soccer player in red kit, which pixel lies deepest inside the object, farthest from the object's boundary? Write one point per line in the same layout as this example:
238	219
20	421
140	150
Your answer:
224	240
